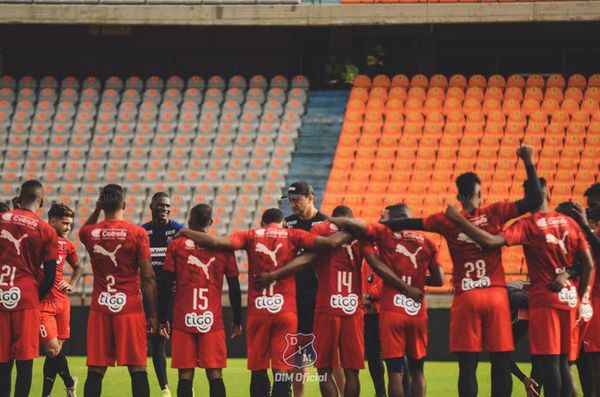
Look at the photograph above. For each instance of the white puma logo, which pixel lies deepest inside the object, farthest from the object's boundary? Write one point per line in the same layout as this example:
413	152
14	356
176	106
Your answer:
411	255
5	234
98	249
349	249
260	247
192	260
552	239
466	239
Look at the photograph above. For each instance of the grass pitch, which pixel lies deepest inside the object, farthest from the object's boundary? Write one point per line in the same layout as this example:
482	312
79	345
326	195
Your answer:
441	378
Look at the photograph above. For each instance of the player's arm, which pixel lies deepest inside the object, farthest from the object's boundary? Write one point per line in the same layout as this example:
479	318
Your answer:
399	224
93	219
579	215
392	278
77	272
484	239
235	300
584	257
533	198
352	225
205	240
165	294
48	281
436	273
331	242
304	260
148	281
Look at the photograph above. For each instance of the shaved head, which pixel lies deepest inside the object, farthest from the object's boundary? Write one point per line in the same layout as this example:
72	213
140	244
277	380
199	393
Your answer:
31	193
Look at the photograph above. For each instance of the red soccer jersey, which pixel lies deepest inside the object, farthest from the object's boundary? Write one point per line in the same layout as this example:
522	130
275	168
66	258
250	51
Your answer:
66	253
339	290
408	254
26	242
596	289
116	249
551	242
199	279
267	249
473	267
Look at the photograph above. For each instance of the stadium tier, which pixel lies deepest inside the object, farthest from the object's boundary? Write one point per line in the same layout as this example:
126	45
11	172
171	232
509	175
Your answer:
406	139
224	142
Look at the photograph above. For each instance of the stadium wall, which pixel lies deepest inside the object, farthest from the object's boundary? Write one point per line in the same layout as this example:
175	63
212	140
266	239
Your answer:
439	319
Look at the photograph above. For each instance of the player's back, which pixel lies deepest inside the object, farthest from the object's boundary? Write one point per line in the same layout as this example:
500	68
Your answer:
116	248
26	242
474	267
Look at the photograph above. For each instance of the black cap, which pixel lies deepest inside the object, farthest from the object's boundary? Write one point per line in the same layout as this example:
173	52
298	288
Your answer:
299	188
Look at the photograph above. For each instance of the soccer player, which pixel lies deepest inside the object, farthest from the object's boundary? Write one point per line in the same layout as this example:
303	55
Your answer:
272	317
161	231
552	242
480	313
403	321
301	197
26	243
120	257
198	335
55	309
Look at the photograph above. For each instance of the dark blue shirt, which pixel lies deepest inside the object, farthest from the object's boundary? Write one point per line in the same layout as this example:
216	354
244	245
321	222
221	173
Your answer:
160	237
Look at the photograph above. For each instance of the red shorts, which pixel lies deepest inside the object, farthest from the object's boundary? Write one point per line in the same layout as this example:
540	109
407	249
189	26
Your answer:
552	331
401	335
591	340
119	338
55	319
339	341
480	321
19	338
190	350
266	340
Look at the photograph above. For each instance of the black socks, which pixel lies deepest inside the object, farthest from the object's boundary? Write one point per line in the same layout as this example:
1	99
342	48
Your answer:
93	384
139	384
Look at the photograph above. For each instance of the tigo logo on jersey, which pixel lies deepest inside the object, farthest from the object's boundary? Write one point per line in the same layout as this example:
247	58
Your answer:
348	304
300	350
469	283
10	298
410	306
202	322
272	303
568	295
115	303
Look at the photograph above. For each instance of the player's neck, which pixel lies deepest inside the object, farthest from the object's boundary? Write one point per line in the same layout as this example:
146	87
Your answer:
542	209
160	222
113	216
203	230
309	213
469	207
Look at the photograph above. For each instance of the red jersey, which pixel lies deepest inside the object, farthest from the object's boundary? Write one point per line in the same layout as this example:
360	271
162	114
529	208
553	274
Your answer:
199	278
551	242
409	254
66	253
339	288
474	267
267	249
596	289
26	242
116	249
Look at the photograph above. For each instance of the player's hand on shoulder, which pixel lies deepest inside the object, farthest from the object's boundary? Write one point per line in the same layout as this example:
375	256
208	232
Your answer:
262	281
181	233
525	152
452	212
165	330
236	330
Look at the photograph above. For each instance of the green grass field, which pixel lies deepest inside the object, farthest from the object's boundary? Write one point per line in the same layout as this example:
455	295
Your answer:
441	378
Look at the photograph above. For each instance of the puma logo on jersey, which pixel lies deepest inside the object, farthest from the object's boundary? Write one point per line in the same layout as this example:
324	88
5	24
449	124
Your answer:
348	248
192	260
466	239
5	234
401	249
552	239
98	249
260	247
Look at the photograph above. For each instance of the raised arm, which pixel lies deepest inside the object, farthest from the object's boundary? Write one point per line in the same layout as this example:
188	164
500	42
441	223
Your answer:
392	278
352	225
148	281
93	219
331	242
205	240
484	239
577	212
535	196
300	262
399	224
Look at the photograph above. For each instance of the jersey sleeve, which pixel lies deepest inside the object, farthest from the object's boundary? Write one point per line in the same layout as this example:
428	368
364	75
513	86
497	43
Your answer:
367	247
303	239
434	257
582	241
72	256
143	252
319	230
436	223
170	263
375	230
240	239
231	268
517	233
504	211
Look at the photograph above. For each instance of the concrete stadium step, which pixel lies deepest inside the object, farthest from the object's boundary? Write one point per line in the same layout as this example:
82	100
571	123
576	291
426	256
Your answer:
317	141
